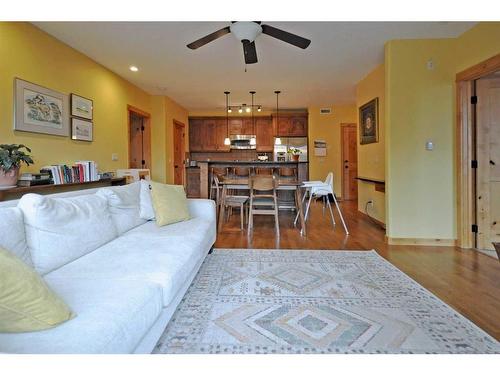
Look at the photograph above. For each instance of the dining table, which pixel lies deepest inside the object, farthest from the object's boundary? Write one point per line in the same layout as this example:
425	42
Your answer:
242	183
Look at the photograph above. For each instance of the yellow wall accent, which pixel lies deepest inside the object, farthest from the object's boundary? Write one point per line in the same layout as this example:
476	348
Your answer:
420	105
371	157
327	127
31	54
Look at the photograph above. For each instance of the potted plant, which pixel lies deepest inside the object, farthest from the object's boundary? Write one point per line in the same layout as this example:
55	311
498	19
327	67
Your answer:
11	157
295	153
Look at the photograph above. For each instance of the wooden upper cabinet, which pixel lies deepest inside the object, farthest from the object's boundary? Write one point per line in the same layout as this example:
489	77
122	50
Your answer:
195	135
209	135
221	135
291	125
247	127
264	131
235	126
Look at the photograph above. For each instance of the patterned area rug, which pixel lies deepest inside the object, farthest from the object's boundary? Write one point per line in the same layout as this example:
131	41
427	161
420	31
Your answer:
278	301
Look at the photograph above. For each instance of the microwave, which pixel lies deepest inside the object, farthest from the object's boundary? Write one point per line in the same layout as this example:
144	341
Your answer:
243	142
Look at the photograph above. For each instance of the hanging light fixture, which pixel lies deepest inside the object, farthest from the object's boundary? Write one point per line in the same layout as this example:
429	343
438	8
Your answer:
259	109
277	140
240	110
229	110
227	141
253	141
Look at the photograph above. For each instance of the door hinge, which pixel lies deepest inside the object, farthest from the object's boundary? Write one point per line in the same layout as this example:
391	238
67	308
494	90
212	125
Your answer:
473	99
473	163
143	162
474	228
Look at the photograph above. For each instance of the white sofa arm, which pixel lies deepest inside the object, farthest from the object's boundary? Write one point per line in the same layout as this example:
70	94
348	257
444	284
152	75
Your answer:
204	208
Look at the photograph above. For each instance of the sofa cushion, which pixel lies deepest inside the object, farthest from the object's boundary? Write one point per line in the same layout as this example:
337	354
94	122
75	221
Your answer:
112	317
13	235
124	205
170	203
165	255
147	211
26	302
60	230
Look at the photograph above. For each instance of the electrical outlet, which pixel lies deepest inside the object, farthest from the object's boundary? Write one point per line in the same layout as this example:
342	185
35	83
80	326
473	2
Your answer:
370	202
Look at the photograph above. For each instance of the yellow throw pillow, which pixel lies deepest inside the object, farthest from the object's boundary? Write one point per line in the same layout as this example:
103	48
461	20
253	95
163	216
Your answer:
26	302
170	203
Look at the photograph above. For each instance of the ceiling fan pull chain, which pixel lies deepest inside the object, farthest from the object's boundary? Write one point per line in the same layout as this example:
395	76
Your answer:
245	67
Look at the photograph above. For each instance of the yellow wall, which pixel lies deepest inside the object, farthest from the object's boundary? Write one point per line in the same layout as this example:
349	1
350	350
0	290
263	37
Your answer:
420	106
173	111
327	127
31	54
371	157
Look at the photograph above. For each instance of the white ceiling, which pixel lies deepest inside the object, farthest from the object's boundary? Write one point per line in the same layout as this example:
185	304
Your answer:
340	54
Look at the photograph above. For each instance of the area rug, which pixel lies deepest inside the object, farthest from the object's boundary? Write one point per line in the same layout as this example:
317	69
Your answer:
304	301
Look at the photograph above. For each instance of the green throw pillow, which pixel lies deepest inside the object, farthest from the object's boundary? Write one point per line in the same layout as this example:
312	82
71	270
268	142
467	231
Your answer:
170	203
26	302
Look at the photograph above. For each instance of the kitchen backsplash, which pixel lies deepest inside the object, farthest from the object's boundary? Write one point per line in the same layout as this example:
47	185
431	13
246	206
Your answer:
243	155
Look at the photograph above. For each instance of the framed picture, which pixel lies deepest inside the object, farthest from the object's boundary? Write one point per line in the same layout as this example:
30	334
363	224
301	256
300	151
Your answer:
81	107
368	122
81	130
38	109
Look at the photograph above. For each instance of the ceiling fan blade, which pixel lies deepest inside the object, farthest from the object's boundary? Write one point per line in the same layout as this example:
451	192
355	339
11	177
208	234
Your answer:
250	52
285	36
209	38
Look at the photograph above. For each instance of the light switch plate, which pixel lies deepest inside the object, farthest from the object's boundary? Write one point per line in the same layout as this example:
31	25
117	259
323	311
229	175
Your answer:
114	157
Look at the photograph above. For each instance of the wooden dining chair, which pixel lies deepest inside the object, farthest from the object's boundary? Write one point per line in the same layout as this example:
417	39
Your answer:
216	172
230	202
263	200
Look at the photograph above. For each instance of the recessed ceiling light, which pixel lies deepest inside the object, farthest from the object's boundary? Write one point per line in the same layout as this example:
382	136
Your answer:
134	68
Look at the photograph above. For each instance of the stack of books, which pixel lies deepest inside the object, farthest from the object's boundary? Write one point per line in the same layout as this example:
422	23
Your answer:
33	179
81	171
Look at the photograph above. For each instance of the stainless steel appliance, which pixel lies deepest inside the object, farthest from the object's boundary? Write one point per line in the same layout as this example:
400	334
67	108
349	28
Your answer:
262	157
280	151
243	142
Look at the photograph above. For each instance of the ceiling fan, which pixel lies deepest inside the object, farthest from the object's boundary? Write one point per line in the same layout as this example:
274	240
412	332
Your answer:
246	32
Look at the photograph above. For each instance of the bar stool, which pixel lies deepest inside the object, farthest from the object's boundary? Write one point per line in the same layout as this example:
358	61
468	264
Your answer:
323	190
213	173
241	171
264	171
260	196
287	172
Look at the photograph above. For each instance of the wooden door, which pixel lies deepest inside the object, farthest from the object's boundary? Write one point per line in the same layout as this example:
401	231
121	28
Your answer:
195	135
179	152
349	144
264	133
139	139
488	162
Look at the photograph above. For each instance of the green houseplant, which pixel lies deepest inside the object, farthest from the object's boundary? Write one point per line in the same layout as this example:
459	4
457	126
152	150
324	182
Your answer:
295	153
11	158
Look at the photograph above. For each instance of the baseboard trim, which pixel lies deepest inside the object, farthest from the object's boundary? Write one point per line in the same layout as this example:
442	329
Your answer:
421	241
372	218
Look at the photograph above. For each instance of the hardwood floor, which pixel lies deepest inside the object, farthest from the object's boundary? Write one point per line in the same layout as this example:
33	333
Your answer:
465	279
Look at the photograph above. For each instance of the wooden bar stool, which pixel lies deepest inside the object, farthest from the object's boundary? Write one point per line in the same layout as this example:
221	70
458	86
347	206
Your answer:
264	171
263	194
241	171
287	172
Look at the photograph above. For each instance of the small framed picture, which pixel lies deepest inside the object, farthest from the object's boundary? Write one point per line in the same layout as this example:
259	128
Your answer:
81	130
368	122
81	107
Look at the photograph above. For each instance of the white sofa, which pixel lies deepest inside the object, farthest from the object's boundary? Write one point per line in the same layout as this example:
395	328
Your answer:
123	276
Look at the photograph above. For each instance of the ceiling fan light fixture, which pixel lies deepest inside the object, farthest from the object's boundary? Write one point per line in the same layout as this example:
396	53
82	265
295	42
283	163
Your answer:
246	30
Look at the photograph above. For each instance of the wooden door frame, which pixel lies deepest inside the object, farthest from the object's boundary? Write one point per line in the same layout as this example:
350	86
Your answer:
180	124
342	126
465	146
140	112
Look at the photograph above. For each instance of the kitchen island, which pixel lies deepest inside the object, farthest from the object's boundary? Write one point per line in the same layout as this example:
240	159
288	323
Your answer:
205	169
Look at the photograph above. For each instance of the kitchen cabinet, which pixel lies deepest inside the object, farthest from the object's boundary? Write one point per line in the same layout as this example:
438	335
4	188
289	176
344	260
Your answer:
235	126
265	134
247	127
207	135
221	131
291	125
195	135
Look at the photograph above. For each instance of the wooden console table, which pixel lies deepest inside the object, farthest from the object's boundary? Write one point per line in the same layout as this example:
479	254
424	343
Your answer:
379	184
18	192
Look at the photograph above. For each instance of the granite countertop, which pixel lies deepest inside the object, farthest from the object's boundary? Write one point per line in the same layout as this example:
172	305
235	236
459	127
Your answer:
255	162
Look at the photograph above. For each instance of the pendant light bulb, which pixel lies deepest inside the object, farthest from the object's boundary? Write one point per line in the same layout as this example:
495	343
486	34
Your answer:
253	141
277	141
229	110
227	142
247	109
259	109
240	110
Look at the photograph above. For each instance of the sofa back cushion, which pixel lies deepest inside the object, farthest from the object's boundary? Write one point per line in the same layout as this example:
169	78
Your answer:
123	202
12	234
60	230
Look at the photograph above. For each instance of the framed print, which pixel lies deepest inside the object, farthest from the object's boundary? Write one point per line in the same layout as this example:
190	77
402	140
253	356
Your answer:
368	122
38	109
81	107
81	130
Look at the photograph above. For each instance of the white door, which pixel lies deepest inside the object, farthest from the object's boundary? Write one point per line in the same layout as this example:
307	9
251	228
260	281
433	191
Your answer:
488	160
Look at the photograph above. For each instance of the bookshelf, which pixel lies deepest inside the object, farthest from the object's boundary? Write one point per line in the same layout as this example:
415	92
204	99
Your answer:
18	192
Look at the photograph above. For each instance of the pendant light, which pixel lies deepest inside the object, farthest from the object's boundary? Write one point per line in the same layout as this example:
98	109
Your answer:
227	141
253	141
277	140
